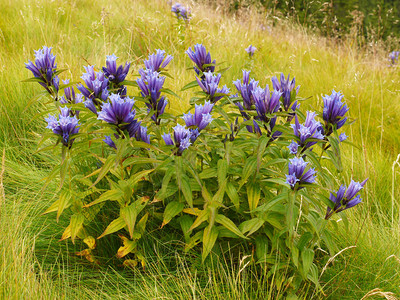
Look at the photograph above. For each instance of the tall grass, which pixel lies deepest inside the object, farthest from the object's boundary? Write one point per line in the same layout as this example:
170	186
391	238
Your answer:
35	264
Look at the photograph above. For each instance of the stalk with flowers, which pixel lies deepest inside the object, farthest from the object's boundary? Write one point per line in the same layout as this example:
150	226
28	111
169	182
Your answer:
241	168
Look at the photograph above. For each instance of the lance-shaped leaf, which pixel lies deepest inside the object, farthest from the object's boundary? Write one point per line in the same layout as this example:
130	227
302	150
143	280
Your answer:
251	226
307	256
113	195
200	218
210	235
127	247
173	208
228	224
64	202
233	194
130	213
76	225
253	195
114	226
105	168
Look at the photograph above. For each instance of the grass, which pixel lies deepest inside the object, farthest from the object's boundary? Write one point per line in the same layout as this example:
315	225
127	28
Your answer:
35	265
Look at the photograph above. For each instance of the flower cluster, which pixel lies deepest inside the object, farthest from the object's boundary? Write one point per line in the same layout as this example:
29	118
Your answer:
309	131
181	12
66	126
157	61
96	85
182	138
286	87
210	86
202	59
394	57
297	176
250	50
246	89
45	69
116	75
334	111
345	198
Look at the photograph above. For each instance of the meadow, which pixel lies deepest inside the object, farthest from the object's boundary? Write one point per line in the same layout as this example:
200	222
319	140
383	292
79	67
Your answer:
36	265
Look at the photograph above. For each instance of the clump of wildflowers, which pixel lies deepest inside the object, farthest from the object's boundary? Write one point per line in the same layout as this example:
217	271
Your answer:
202	59
96	86
345	197
181	140
181	12
297	176
286	87
45	69
210	86
66	126
250	50
199	120
118	111
334	111
310	129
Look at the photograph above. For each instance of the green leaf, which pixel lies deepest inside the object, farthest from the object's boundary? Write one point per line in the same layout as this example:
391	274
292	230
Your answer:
64	202
303	241
139	161
253	195
307	256
173	208
249	168
106	167
251	225
295	255
233	194
170	92
76	225
228	224
200	218
209	237
113	195
187	190
141	225
208	173
114	226
222	166
138	176
261	247
129	214
190	85
219	195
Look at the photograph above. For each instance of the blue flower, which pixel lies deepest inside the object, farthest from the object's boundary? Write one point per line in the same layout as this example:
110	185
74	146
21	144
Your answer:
266	103
201	117
250	50
394	57
342	137
311	129
246	89
109	142
334	111
181	11
66	126
96	85
210	86
157	61
293	147
117	110
141	135
182	138
44	68
115	75
201	58
296	174
286	87
345	198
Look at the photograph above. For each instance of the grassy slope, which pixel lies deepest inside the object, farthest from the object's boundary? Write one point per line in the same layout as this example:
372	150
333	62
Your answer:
89	30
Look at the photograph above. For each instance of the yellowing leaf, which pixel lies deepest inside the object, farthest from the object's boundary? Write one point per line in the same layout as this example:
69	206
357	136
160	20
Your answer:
126	248
173	208
209	237
253	195
76	225
114	226
90	242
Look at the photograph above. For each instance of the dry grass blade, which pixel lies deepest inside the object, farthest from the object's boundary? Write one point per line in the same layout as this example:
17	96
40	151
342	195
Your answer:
3	163
333	258
379	292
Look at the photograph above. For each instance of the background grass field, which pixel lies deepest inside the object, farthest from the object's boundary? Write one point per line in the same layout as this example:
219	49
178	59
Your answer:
33	264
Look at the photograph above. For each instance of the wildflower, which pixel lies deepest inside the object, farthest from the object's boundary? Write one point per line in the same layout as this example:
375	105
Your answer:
296	174
293	147
181	11
266	103
286	88
45	68
90	105
66	126
201	58
250	50
181	140
311	129
97	85
246	89
394	57
109	142
117	110
210	86
201	117
115	75
141	135
157	61
345	197
150	85
334	111
342	137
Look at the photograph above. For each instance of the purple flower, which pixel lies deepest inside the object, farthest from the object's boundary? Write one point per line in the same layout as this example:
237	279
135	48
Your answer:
109	142
201	58
181	11
115	75
210	86
157	61
293	147
117	110
342	137
345	198
246	89
167	139
201	117
266	103
150	85
334	111
286	88
97	85
311	129
394	57
66	126
182	137
141	135
90	105
250	50
44	68
296	174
